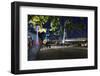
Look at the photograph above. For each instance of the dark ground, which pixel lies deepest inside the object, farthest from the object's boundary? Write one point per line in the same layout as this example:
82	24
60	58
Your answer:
63	53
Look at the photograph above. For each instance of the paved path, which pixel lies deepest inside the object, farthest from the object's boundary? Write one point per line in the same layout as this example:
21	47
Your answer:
63	53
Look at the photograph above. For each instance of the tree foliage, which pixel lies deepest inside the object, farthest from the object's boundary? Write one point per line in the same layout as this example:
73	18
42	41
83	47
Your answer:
55	22
69	25
39	21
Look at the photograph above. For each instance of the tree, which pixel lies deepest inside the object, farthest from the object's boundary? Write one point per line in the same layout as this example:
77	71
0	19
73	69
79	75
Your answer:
38	22
55	23
69	25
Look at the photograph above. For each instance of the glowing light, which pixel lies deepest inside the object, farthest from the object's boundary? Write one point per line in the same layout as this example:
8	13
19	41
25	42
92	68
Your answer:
37	37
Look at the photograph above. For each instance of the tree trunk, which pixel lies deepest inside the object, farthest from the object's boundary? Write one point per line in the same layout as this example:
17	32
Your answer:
37	37
63	37
64	33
